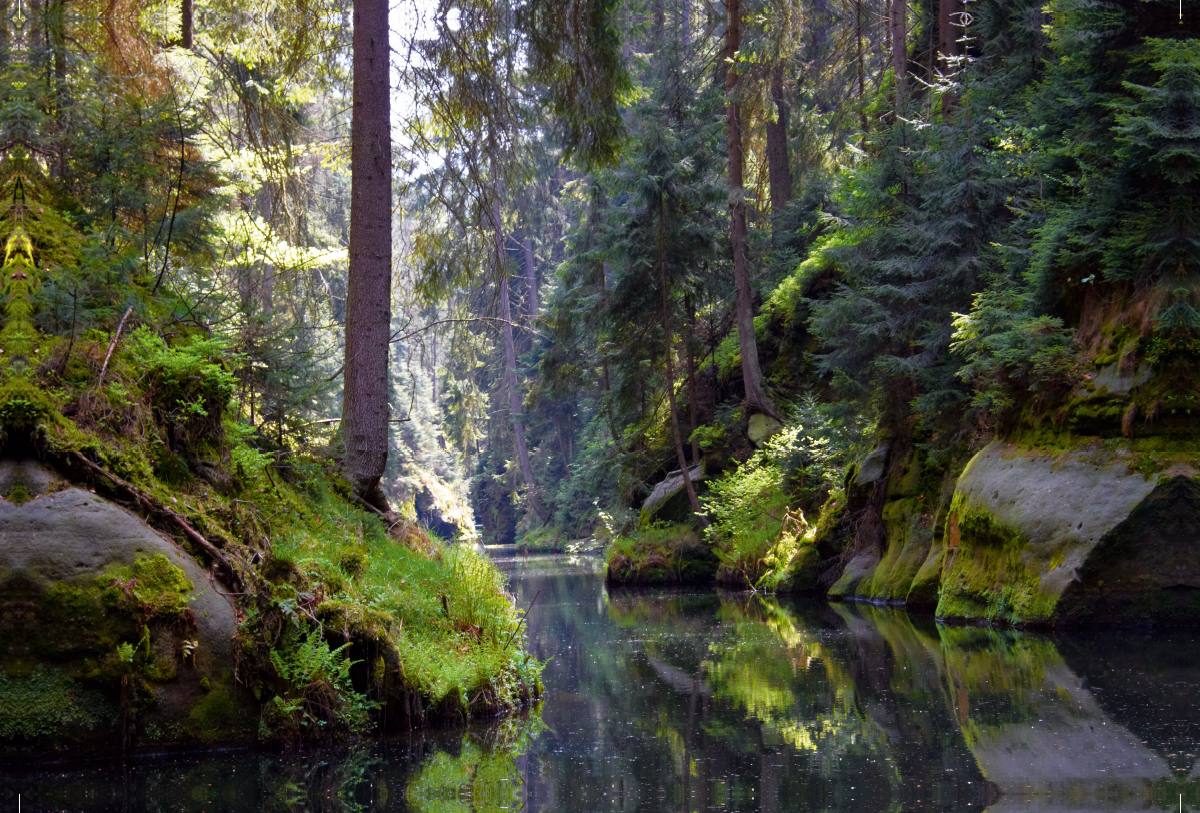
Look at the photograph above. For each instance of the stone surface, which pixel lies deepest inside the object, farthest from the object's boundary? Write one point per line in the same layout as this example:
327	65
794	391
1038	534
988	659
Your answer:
874	465
857	570
762	428
61	617
667	488
1035	537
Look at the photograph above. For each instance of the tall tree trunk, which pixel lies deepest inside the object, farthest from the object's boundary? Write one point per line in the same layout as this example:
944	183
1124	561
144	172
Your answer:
531	278
369	287
899	25
185	25
693	397
510	367
756	397
687	22
670	370
779	168
608	410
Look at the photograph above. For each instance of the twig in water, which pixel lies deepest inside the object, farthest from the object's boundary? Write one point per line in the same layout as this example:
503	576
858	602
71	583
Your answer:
522	621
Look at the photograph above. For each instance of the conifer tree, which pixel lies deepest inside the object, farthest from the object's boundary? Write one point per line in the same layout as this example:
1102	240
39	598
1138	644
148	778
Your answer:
369	286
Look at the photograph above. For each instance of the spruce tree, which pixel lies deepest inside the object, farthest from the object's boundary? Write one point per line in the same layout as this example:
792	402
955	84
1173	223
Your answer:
369	287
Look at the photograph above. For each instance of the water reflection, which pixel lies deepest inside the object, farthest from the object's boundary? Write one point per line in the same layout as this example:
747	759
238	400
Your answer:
703	701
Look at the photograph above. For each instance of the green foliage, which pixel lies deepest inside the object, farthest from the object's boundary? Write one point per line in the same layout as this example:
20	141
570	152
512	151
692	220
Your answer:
660	554
47	701
317	691
1012	357
189	384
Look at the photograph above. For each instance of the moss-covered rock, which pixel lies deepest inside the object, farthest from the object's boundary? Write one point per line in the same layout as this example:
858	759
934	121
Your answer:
669	503
661	555
113	635
1037	537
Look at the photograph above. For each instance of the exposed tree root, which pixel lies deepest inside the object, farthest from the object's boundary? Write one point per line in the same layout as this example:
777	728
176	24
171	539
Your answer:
159	511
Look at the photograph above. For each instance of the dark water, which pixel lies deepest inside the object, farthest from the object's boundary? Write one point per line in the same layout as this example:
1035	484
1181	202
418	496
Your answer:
706	701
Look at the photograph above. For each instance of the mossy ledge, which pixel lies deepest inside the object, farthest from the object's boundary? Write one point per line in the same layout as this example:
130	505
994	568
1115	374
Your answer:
169	575
120	638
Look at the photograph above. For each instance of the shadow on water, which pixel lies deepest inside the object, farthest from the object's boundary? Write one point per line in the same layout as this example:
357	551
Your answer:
669	700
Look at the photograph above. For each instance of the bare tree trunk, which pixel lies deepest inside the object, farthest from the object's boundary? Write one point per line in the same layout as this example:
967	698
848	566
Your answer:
531	279
779	167
670	371
693	397
369	287
510	368
185	27
899	23
756	397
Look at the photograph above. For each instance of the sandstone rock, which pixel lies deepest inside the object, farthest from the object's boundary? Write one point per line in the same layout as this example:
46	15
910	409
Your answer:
762	428
74	574
1035	537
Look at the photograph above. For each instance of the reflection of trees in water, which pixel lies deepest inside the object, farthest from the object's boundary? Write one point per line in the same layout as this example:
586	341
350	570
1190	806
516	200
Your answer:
857	694
664	700
486	772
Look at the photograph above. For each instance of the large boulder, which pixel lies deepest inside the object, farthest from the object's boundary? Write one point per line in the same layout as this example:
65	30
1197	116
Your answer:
112	635
668	502
1093	533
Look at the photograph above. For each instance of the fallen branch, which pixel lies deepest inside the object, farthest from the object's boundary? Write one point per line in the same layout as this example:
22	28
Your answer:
113	344
153	507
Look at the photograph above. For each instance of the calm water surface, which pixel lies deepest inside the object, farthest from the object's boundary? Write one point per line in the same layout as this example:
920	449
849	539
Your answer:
665	700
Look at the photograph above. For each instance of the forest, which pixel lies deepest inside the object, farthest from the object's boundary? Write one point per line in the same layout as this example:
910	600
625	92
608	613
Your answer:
307	305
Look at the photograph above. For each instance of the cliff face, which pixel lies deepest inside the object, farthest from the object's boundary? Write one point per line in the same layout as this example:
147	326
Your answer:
1087	509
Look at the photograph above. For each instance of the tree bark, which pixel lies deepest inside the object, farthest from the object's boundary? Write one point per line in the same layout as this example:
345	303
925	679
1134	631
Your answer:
899	23
687	23
185	25
756	397
779	169
608	410
858	37
369	287
693	397
670	370
948	32
510	368
531	279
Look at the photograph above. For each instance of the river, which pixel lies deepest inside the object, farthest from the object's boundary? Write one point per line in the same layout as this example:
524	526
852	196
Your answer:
699	700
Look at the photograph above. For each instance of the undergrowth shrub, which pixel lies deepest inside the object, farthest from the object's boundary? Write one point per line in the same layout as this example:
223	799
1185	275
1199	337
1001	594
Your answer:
660	553
188	384
757	511
316	690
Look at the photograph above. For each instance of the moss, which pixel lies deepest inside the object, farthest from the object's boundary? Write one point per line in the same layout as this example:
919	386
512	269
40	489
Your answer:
908	543
986	576
660	554
926	585
544	539
51	706
800	574
151	587
217	716
353	563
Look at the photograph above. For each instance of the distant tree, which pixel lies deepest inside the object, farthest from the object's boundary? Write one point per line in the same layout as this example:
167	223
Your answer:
757	399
